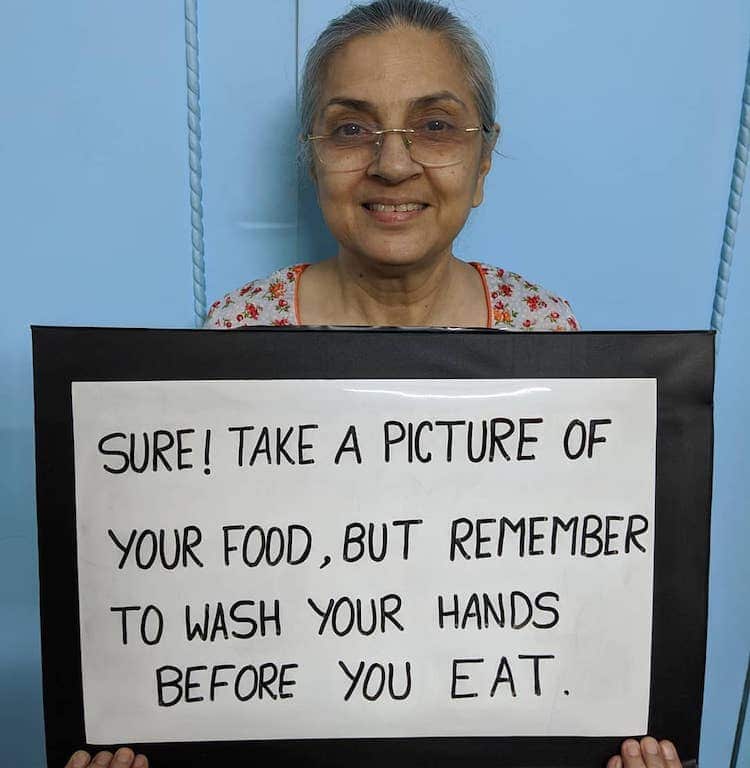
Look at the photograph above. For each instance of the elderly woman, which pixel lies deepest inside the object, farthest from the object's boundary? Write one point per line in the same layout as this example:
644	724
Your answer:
398	126
398	120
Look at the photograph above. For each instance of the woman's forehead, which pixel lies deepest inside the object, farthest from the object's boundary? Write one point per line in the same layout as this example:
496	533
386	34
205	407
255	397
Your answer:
397	67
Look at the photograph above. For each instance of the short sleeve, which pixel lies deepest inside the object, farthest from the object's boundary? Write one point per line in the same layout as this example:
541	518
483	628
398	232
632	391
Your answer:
520	305
266	301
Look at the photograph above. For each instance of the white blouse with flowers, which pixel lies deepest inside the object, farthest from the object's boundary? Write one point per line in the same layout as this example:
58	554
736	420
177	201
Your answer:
513	304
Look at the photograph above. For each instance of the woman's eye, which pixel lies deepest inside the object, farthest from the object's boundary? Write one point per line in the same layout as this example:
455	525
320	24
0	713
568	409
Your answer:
436	126
349	129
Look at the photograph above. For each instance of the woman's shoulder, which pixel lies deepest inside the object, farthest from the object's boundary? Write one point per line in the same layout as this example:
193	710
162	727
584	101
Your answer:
268	300
518	304
515	304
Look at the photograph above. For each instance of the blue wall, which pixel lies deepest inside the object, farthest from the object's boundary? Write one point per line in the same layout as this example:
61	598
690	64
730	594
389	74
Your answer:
619	127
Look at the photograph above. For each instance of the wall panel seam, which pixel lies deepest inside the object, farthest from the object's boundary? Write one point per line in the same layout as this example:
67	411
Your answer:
733	211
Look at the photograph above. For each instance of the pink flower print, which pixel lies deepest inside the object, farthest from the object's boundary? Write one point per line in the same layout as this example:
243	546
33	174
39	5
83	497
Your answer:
533	302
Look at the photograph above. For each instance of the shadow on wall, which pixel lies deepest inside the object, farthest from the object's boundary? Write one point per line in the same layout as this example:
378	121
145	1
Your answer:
21	724
21	702
314	241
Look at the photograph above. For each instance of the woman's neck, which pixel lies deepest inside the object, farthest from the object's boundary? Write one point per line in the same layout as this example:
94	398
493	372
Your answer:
344	291
407	296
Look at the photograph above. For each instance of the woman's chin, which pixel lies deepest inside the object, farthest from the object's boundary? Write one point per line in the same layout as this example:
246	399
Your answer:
395	258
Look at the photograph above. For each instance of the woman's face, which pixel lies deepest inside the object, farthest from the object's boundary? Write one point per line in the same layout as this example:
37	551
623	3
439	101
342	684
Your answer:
389	71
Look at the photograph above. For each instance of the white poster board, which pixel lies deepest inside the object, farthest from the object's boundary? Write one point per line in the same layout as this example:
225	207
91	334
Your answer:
364	558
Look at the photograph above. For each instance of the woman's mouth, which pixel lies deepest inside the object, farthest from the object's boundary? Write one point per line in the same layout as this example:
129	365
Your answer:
394	213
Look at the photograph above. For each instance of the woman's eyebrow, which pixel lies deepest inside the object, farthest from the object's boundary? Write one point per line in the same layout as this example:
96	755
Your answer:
357	104
420	101
424	101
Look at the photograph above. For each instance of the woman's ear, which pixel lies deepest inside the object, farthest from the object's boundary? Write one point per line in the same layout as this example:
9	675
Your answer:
485	164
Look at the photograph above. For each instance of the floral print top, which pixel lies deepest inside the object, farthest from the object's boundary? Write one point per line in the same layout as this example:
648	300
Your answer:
513	304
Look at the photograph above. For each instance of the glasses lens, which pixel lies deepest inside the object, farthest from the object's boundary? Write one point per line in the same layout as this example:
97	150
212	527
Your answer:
437	144
349	147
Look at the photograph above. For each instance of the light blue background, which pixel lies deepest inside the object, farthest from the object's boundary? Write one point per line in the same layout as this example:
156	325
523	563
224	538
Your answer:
619	119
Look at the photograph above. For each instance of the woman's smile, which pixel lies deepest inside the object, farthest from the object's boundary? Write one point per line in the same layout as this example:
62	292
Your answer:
390	213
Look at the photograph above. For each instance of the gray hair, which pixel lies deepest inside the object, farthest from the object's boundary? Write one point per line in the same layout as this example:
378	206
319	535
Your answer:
383	15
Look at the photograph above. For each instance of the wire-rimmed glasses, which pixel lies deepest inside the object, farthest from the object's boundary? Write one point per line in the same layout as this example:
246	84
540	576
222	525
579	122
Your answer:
352	146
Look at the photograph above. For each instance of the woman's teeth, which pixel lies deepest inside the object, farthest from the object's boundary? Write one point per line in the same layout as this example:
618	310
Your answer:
391	208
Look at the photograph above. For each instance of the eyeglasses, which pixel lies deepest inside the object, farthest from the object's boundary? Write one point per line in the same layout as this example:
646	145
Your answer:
433	144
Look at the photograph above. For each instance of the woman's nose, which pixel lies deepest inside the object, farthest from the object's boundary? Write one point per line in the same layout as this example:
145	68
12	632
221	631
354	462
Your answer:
393	160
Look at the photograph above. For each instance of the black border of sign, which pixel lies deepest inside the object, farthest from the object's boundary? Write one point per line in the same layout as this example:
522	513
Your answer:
682	363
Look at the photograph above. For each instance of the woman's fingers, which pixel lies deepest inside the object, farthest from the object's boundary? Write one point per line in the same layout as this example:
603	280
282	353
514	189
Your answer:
102	760
123	758
659	754
631	754
126	758
78	759
652	753
669	753
649	753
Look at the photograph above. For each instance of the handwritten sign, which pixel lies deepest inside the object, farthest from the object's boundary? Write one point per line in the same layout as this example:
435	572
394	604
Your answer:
364	558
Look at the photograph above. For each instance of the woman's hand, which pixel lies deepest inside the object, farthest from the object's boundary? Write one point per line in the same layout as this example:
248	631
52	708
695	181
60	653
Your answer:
123	758
650	753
